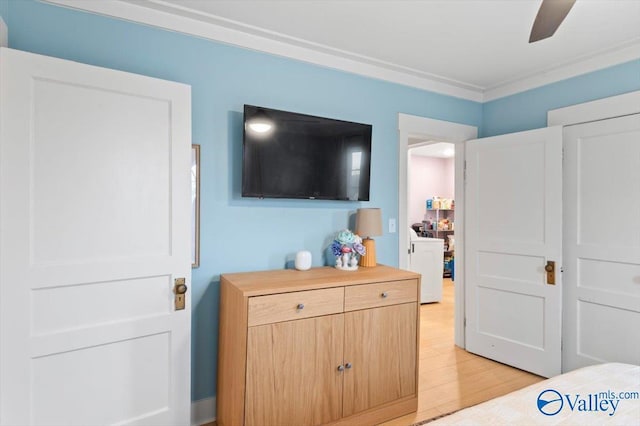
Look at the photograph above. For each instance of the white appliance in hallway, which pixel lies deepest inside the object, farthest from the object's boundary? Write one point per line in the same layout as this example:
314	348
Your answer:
425	258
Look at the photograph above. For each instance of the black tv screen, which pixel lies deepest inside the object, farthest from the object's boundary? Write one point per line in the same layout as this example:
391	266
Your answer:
291	155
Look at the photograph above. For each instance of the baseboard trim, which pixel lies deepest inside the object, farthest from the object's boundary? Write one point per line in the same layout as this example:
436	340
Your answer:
203	411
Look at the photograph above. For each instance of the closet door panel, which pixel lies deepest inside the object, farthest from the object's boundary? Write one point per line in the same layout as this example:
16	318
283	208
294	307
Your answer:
602	242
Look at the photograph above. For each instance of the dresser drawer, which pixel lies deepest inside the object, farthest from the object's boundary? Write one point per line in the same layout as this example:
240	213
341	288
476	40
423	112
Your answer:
380	294
296	305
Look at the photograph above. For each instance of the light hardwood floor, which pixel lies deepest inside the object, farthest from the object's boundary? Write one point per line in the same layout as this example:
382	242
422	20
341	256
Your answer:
450	378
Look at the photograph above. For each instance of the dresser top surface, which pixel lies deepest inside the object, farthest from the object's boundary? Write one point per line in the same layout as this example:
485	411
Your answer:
287	280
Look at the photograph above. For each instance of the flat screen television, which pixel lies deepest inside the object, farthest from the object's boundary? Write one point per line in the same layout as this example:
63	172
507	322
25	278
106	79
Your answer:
291	155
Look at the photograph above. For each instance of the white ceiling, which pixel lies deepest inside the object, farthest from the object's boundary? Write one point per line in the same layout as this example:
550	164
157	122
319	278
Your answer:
475	49
438	149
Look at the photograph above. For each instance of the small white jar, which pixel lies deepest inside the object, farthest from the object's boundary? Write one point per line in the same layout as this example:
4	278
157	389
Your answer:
303	260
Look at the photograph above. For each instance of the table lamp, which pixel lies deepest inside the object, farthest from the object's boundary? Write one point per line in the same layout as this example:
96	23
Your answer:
369	224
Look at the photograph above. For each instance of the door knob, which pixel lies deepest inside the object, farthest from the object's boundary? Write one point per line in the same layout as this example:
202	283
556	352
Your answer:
348	365
550	268
341	367
179	288
300	306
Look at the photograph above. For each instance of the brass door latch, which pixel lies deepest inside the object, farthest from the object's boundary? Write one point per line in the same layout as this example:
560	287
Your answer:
550	268
180	289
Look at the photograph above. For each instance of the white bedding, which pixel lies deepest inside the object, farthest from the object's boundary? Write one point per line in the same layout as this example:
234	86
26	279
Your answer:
587	396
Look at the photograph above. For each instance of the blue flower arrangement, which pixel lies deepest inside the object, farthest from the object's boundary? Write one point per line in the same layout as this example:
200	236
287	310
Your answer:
347	247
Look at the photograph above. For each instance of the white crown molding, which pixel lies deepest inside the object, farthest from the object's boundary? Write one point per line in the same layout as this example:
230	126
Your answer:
183	20
203	411
437	130
319	55
600	60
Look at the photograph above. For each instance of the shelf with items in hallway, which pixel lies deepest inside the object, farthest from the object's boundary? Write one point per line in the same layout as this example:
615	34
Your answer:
439	223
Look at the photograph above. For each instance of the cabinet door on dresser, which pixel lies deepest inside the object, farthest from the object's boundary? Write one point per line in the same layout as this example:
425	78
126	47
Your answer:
292	376
380	345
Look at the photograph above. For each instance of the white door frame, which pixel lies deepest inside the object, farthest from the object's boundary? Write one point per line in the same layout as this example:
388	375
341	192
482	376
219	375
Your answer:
442	131
601	109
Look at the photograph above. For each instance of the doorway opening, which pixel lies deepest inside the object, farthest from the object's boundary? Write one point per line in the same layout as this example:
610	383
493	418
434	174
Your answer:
417	130
450	377
431	215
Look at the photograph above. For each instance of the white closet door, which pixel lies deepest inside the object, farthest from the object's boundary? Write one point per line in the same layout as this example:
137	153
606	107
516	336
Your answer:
513	227
602	242
94	220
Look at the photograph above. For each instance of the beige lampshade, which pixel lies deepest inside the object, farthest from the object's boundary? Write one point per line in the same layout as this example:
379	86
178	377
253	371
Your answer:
369	222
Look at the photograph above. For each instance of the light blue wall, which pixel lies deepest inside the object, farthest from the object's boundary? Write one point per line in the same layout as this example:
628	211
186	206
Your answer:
242	234
528	110
4	10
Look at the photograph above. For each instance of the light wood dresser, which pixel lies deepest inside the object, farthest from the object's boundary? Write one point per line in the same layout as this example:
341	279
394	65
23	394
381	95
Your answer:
315	347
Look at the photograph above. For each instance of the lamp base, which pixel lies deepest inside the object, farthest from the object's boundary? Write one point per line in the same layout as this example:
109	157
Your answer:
369	259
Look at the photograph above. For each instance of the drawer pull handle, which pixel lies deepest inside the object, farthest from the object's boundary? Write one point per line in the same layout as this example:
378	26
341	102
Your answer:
341	367
384	295
348	365
300	306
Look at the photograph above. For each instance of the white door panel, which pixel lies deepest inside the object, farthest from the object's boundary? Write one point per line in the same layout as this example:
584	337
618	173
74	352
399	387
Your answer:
122	142
137	396
602	242
500	195
94	216
513	227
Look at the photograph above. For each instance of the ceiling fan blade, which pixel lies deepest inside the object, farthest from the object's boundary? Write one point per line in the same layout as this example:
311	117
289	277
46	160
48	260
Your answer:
550	16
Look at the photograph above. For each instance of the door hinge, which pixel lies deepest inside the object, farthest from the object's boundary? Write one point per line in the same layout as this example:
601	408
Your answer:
465	321
464	172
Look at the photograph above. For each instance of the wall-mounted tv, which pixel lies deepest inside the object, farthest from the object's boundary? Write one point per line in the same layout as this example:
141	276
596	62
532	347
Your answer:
291	155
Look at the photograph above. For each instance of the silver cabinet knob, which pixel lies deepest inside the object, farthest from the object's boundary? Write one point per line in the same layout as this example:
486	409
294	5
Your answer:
300	306
348	365
341	367
384	295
